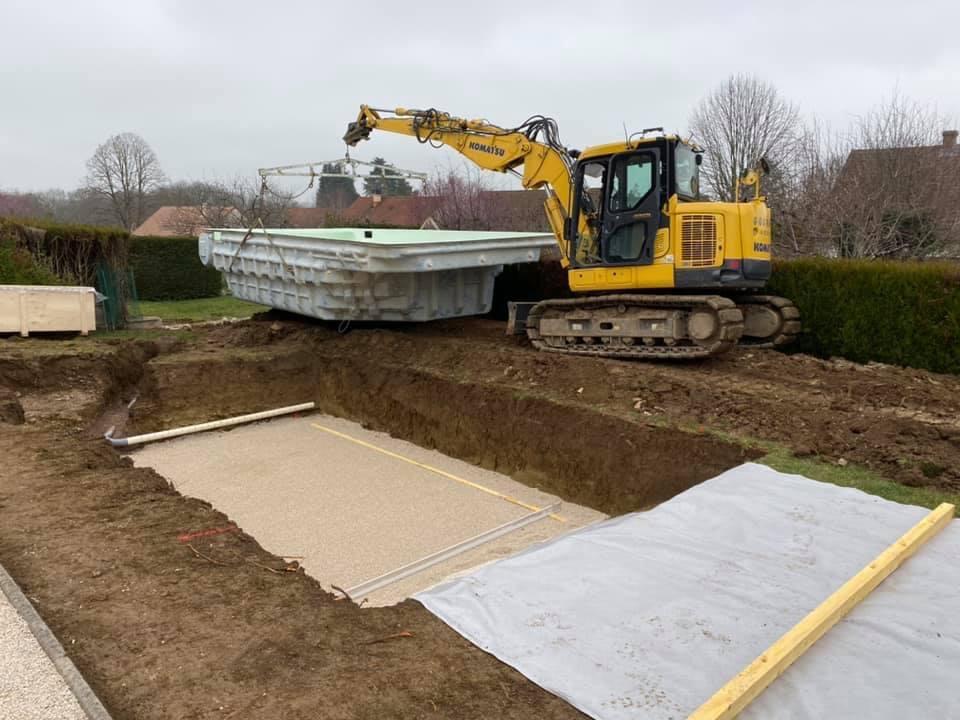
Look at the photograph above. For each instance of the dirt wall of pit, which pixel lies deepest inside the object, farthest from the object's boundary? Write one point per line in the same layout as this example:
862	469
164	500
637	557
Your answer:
584	456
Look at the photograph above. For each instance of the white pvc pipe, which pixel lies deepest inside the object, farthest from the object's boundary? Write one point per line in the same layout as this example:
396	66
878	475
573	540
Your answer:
189	429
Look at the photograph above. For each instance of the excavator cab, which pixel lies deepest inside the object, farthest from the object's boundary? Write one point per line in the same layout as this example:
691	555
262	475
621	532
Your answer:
619	197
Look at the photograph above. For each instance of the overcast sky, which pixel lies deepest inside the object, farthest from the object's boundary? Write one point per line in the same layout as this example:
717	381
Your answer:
221	88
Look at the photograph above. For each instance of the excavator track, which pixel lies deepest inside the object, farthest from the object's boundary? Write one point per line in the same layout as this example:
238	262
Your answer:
769	321
636	326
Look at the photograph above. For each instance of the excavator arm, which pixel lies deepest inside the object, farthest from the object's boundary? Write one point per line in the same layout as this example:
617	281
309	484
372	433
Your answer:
545	163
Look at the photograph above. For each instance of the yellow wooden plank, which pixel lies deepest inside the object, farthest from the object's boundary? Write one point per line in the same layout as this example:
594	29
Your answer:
438	471
733	697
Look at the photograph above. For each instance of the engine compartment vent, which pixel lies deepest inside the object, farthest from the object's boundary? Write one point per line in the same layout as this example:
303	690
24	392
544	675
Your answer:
698	241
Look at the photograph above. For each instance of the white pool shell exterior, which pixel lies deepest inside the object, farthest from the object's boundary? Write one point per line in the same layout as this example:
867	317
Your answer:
368	274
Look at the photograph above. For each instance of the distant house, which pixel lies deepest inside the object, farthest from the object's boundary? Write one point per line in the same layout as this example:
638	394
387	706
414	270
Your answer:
407	211
186	220
904	195
307	217
505	210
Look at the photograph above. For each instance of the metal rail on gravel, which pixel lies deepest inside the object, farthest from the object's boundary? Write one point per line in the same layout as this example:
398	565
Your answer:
365	588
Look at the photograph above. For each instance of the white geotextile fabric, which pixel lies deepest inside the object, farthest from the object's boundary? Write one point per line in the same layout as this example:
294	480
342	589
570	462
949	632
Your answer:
647	615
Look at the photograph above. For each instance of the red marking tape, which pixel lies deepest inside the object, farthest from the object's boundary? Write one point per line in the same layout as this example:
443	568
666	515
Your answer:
187	537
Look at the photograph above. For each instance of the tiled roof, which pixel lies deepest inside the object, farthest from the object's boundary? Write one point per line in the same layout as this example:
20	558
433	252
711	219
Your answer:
397	210
307	217
183	220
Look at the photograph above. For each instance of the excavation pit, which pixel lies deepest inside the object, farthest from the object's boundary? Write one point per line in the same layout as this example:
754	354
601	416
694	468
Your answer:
96	540
351	505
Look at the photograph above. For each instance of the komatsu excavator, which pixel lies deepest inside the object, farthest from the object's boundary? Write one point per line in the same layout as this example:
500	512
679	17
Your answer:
664	273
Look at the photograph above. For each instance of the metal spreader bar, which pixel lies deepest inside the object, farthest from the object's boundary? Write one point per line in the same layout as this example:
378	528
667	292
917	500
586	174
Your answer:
347	167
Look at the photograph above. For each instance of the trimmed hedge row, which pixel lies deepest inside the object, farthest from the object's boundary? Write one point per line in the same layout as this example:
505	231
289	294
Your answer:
42	252
48	253
71	252
19	267
902	313
168	268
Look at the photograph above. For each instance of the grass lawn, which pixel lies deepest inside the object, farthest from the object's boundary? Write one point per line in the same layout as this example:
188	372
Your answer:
200	310
855	476
781	458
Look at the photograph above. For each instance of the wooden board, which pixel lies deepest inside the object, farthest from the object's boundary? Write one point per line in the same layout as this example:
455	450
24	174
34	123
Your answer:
733	697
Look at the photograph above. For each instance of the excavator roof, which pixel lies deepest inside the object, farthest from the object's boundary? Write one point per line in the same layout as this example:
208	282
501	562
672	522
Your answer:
618	147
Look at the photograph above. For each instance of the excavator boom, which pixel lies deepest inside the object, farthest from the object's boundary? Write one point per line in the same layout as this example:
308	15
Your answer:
532	150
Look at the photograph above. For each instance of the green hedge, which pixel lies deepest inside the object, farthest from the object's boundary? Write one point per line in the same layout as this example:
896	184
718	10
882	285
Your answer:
19	267
168	268
73	253
42	252
902	313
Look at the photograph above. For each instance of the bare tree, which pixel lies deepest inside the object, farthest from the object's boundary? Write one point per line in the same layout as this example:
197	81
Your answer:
898	187
456	200
241	202
124	170
887	187
21	205
806	218
75	206
741	121
464	200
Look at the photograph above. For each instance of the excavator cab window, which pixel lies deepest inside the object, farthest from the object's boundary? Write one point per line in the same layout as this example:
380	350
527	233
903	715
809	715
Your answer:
590	180
633	178
618	220
686	171
628	228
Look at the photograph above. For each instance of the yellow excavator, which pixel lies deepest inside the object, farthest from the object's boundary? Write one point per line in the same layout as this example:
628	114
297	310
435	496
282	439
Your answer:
664	274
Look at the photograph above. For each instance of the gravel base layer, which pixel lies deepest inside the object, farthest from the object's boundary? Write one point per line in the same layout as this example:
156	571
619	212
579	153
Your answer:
349	512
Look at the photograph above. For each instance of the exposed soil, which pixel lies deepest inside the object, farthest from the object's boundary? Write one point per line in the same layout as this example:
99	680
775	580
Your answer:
163	632
611	463
11	411
894	420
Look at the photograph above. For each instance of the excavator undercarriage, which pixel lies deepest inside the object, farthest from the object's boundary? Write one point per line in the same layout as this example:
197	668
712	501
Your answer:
655	326
768	321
